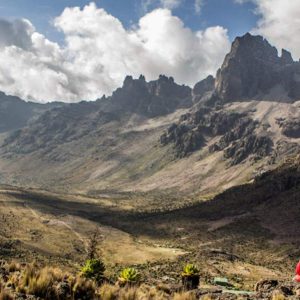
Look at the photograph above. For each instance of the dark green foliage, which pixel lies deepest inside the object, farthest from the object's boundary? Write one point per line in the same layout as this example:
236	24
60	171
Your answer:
93	269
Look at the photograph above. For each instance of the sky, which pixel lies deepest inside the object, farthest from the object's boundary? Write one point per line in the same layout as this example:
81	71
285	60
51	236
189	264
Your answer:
238	19
70	50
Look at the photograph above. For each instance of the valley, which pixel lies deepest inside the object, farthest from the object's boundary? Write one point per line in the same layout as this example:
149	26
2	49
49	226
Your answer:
158	175
243	242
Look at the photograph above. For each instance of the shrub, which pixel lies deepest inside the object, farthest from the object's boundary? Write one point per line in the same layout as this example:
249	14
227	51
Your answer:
129	275
93	269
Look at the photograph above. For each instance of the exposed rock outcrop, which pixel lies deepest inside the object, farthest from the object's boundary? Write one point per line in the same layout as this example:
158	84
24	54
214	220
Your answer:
238	137
253	69
290	128
154	98
75	121
203	88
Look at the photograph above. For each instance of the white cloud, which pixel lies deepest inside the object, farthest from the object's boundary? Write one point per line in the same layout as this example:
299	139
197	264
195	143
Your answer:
198	6
99	52
170	4
280	23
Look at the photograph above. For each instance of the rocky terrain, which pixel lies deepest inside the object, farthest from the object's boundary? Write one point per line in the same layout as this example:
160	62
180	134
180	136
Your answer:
168	174
241	123
253	70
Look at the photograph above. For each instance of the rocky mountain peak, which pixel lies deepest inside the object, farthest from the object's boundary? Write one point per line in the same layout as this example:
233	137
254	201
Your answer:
252	69
154	98
286	57
253	47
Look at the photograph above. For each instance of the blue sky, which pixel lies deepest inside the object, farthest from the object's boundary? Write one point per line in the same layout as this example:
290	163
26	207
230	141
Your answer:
237	18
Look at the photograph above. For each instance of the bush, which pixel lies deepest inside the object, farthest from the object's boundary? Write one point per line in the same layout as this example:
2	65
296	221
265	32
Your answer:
93	269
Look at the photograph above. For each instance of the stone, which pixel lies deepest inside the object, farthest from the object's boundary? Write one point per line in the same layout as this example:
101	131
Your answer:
253	68
266	285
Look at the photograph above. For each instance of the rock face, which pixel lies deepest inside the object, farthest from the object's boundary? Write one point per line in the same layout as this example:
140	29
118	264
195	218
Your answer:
253	69
290	128
238	139
154	98
203	88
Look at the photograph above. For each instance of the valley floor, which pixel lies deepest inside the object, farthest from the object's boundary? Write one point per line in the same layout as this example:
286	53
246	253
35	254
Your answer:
57	229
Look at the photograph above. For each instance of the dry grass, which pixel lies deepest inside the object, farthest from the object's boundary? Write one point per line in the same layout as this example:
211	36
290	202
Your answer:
52	284
185	296
5	296
278	296
14	266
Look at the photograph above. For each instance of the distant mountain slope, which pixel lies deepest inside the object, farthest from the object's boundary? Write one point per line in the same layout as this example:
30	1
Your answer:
15	113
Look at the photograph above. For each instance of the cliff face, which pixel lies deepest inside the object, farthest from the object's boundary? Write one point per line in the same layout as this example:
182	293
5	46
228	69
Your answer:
253	69
154	98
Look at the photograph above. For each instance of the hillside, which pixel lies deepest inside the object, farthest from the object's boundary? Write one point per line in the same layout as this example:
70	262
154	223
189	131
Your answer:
162	136
244	241
16	113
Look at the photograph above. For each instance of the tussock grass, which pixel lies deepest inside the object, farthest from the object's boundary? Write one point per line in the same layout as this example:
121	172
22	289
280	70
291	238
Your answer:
185	296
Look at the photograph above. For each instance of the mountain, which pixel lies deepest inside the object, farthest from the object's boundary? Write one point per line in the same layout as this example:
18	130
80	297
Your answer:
253	70
155	98
166	137
16	113
160	174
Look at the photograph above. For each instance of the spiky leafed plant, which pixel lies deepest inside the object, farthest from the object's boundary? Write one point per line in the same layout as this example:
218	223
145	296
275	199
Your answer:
129	275
190	277
93	269
190	270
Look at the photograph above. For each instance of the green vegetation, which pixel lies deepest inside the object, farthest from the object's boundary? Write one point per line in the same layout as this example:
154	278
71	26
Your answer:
93	269
129	275
190	277
190	270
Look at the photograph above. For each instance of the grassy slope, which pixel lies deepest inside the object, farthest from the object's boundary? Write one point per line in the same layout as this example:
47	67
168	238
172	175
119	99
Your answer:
246	233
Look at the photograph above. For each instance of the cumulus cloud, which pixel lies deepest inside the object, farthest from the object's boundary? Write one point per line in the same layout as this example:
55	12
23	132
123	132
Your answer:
280	23
99	52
